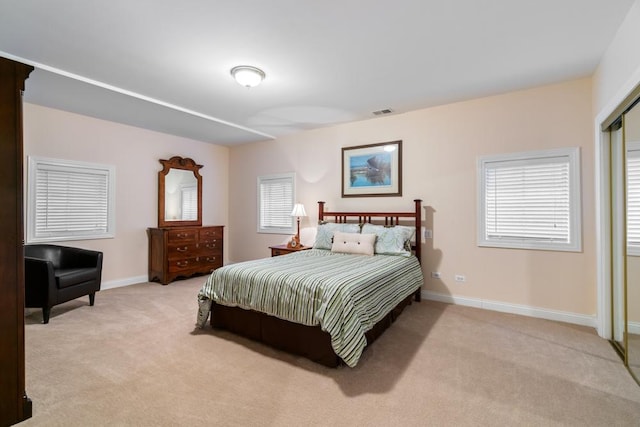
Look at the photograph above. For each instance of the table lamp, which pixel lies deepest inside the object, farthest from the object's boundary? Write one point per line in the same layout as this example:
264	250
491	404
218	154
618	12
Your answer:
298	211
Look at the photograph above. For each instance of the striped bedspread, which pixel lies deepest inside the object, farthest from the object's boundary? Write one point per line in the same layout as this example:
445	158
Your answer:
344	294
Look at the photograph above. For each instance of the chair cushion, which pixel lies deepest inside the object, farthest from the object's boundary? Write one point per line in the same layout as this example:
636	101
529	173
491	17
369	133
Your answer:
74	276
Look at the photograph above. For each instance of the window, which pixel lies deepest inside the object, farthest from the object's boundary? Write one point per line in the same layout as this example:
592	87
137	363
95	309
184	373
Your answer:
633	198
275	203
189	196
69	200
530	200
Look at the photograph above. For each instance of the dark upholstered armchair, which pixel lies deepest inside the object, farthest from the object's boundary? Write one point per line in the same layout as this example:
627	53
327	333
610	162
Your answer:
56	274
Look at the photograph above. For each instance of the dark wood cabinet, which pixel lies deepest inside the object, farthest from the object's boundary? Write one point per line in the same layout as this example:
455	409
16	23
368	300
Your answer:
15	406
184	252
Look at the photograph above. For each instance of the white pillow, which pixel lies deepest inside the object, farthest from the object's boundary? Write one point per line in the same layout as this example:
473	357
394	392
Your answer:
353	243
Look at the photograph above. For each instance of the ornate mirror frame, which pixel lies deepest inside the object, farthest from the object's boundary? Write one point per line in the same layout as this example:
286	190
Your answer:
179	163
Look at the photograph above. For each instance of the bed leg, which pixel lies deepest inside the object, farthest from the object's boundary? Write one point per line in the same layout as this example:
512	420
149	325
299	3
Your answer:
418	295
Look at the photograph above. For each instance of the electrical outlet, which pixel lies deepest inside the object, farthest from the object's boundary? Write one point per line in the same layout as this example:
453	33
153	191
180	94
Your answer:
460	278
435	275
428	234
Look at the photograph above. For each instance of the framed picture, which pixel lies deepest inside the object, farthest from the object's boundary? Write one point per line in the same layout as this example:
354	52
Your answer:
372	170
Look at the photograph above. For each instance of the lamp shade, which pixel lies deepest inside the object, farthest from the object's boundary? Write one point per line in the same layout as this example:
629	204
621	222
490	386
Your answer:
298	210
247	76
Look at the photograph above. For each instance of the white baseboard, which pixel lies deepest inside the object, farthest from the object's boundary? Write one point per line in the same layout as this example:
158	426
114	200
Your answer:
123	282
634	328
542	313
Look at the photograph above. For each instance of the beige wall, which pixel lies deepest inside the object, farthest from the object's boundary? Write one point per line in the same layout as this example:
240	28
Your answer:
441	146
135	153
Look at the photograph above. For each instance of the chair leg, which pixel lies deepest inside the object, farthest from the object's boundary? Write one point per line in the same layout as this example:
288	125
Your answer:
92	298
46	311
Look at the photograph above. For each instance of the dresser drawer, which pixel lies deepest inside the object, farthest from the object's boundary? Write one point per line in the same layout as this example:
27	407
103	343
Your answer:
211	245
210	233
182	250
182	235
183	264
211	262
205	250
201	264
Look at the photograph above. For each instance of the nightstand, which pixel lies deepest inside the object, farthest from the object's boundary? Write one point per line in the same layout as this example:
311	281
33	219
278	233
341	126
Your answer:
278	250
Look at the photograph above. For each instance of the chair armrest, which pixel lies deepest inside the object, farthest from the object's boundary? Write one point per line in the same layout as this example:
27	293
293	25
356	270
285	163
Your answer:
38	276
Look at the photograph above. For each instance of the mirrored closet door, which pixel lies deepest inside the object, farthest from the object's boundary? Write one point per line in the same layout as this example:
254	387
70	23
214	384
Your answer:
631	137
625	236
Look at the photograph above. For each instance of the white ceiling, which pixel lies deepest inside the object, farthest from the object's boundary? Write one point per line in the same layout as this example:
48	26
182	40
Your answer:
164	64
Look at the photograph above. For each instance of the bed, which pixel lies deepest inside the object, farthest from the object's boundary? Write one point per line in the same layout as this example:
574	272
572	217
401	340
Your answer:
327	303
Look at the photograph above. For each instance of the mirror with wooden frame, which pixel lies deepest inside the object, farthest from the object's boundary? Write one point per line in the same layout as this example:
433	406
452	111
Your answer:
179	193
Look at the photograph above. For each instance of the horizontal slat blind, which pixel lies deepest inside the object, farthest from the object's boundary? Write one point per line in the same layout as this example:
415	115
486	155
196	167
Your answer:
528	200
189	203
633	199
69	200
276	203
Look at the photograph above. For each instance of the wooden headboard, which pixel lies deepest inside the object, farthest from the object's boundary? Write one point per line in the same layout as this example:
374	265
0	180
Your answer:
385	218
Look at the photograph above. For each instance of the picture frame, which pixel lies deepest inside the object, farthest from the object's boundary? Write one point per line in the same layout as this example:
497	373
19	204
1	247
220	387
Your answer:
373	170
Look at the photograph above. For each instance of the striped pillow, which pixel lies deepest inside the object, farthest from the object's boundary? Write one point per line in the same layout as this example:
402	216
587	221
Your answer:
324	236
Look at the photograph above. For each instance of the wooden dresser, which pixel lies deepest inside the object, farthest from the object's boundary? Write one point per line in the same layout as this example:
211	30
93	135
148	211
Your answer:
184	251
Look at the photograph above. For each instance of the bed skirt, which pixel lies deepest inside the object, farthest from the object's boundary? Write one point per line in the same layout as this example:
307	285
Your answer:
307	341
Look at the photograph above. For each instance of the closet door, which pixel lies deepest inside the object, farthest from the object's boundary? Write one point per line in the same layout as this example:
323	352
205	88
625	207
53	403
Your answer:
618	213
15	406
631	134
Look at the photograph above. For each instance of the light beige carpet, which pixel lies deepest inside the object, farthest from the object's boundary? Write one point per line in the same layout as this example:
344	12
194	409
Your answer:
134	359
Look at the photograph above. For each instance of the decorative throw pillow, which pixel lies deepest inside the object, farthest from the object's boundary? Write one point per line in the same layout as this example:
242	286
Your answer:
392	240
353	243
324	235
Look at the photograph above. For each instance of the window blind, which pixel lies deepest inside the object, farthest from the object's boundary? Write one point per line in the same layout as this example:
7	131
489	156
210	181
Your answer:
69	201
276	202
633	199
530	200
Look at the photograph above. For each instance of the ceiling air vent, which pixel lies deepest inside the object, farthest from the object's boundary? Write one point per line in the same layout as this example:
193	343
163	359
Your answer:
383	112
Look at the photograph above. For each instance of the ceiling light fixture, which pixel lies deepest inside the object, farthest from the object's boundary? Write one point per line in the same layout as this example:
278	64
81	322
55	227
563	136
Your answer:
247	76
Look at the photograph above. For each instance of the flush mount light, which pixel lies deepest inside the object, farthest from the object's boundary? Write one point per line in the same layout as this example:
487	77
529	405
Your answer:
247	76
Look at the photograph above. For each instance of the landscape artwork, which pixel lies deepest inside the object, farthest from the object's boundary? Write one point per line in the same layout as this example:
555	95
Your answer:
372	170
